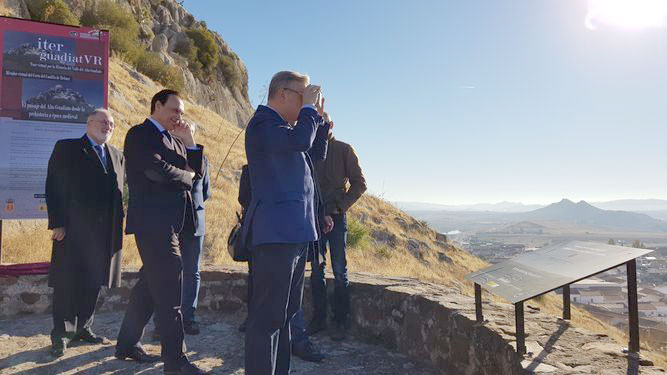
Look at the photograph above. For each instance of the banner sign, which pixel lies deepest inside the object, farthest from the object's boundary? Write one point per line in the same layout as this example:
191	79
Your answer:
52	77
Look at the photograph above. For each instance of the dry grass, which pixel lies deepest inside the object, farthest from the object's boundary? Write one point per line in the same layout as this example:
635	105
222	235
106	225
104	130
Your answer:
404	246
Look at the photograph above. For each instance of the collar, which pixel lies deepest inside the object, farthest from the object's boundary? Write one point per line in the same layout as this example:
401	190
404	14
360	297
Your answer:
93	143
274	110
159	127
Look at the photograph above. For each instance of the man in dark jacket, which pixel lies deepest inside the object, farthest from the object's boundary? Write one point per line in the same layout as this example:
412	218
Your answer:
281	219
340	167
84	188
163	160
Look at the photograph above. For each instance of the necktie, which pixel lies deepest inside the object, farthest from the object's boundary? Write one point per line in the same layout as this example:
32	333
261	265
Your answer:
102	155
166	133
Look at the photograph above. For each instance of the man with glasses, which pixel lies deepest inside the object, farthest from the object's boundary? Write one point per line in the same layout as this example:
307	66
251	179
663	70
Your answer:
281	218
84	189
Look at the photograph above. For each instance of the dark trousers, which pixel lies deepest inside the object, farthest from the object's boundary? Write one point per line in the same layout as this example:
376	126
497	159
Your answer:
73	306
191	247
159	290
277	291
336	239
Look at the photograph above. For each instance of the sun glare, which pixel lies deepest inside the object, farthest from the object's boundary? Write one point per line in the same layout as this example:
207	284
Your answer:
629	14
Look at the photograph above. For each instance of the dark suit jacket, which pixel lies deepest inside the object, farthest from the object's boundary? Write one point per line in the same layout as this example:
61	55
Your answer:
201	191
88	201
317	153
160	198
282	207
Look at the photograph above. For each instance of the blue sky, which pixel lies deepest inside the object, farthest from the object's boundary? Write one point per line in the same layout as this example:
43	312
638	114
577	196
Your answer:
471	101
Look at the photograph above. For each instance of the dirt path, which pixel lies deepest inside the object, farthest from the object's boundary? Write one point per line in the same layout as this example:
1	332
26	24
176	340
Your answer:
24	349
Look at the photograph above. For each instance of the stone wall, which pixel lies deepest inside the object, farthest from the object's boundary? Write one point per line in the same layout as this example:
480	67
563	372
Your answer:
422	320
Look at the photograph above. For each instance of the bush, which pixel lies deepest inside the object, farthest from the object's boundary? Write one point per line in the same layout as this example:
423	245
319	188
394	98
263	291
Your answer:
357	234
187	49
152	65
123	28
230	71
206	48
124	41
56	11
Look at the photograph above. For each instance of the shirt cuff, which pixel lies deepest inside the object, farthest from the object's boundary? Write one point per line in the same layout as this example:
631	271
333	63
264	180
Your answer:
194	148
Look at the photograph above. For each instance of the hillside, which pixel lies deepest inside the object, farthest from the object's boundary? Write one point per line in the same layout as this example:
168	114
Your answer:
384	239
582	213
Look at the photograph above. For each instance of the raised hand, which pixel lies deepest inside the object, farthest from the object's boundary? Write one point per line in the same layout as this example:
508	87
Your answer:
185	132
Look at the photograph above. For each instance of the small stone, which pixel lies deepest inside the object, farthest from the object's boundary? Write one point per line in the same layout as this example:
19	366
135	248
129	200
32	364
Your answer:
30	298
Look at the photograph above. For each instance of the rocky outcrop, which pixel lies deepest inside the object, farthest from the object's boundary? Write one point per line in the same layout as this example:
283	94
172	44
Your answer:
162	24
429	323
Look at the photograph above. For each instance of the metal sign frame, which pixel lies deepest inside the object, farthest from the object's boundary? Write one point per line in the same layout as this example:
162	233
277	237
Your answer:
633	306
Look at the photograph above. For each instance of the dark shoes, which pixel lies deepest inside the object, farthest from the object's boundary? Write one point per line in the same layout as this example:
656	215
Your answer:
187	369
137	354
191	328
58	346
307	351
316	326
87	336
338	332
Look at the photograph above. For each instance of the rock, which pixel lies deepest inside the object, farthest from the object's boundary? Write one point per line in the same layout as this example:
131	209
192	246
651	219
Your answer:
442	257
160	44
384	237
440	237
176	39
146	30
30	298
164	16
533	367
608	348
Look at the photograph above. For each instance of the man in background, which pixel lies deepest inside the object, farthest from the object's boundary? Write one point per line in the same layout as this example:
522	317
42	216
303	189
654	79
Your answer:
340	166
84	197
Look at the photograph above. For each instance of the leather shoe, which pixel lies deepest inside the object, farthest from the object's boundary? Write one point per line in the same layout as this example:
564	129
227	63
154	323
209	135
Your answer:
86	335
191	328
316	326
137	354
58	346
187	369
307	351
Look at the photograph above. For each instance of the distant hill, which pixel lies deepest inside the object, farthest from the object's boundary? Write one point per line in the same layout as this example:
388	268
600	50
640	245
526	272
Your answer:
582	213
634	205
493	207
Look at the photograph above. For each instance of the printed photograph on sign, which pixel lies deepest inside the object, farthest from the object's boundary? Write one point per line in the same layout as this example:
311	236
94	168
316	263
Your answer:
45	100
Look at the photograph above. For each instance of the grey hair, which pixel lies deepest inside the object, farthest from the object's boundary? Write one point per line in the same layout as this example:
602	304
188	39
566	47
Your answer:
97	111
282	79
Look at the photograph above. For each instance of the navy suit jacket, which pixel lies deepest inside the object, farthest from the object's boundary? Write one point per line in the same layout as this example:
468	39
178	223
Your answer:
282	209
159	185
201	191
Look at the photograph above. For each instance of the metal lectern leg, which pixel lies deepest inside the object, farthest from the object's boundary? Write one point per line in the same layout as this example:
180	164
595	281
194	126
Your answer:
478	303
520	331
633	309
566	302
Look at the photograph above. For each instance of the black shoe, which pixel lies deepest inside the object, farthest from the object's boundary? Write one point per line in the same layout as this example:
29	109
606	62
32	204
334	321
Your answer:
243	325
191	328
339	332
137	354
86	335
58	346
307	351
316	326
187	369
